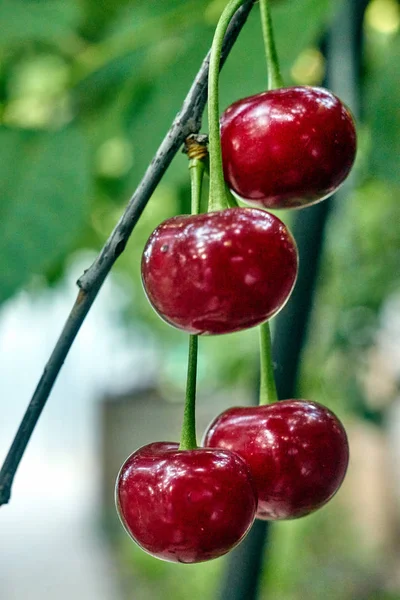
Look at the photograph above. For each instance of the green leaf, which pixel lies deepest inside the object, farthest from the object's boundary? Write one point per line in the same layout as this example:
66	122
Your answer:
44	192
382	100
46	20
149	113
107	81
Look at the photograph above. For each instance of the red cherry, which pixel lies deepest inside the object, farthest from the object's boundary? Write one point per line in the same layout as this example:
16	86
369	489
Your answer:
185	505
297	452
288	147
219	272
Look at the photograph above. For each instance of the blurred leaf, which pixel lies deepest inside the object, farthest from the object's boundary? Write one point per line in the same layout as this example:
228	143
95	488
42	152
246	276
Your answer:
101	86
155	19
24	20
382	106
299	24
147	122
44	185
129	39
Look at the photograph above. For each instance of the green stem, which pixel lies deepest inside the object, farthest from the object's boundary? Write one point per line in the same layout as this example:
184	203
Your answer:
268	391
218	199
274	74
188	434
197	167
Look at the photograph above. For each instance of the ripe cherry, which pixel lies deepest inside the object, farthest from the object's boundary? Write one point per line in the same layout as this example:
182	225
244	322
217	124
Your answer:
219	272
297	452
185	505
288	147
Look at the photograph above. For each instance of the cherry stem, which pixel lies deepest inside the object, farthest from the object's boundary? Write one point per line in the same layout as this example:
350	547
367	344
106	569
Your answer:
188	434
218	197
197	168
274	73
268	391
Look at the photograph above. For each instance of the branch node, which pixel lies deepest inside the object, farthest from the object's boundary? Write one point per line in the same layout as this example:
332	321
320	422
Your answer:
120	247
196	146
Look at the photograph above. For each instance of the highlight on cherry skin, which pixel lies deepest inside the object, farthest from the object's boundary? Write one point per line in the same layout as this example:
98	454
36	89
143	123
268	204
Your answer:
297	452
219	272
185	506
287	147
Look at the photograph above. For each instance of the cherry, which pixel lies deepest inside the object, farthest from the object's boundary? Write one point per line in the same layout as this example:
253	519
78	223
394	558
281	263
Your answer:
288	147
219	272
185	505
297	452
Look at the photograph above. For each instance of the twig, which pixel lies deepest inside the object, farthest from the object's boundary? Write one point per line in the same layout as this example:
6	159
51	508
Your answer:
187	121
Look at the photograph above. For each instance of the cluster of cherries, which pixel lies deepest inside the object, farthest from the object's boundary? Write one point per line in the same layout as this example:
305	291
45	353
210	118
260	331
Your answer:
222	272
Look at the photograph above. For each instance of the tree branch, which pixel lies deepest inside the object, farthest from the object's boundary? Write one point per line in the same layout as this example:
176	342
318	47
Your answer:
187	121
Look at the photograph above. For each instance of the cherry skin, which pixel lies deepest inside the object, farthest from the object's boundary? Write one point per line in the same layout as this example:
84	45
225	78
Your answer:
185	505
288	147
297	452
219	272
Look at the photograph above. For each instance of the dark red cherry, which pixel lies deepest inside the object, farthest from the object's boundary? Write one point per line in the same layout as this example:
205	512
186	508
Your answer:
288	147
219	272
297	452
185	505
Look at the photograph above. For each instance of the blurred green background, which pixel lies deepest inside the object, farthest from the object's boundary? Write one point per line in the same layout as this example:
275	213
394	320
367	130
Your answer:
87	91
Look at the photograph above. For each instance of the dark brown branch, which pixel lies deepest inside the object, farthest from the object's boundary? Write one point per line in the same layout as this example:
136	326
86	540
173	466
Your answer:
187	121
